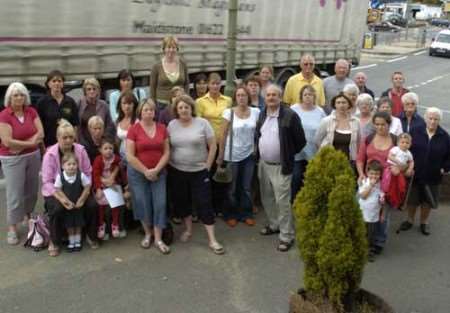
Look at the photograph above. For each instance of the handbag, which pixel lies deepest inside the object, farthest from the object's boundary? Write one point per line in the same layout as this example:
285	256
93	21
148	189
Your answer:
224	174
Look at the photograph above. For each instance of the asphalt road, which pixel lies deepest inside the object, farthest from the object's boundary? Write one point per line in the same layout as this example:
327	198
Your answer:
427	76
413	274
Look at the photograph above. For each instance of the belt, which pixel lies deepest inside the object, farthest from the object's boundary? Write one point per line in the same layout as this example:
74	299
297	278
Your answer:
272	163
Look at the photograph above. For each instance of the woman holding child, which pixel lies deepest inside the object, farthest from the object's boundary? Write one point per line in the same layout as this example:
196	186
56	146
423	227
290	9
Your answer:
51	168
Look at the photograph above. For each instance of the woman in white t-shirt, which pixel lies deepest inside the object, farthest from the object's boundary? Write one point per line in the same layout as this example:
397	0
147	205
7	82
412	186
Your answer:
243	123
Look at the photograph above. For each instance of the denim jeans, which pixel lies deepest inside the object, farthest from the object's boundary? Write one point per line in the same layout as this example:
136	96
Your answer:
381	228
239	193
149	197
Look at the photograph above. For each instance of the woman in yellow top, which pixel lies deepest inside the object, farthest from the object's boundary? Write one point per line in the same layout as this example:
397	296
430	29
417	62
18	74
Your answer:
171	71
211	107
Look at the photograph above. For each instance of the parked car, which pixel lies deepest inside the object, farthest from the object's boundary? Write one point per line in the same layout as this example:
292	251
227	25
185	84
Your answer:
441	44
441	22
384	27
397	19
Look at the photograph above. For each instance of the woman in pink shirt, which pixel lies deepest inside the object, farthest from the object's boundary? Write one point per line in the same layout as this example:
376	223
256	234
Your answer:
21	133
51	167
147	155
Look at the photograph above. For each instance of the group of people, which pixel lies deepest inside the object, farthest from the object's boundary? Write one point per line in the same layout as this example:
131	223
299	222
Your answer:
162	152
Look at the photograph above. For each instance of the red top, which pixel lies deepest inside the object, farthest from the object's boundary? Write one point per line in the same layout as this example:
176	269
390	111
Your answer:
368	153
97	170
20	131
148	150
396	98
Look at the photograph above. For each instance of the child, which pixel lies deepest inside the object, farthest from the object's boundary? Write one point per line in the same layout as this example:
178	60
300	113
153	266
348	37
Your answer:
72	191
395	185
370	202
105	170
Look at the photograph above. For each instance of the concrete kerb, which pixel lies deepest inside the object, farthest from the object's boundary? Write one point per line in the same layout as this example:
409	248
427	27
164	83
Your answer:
391	53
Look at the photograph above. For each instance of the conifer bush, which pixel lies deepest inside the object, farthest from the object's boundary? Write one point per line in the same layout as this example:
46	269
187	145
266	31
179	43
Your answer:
331	234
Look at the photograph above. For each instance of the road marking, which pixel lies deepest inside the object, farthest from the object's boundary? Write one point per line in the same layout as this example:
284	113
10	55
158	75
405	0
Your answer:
420	52
397	59
424	107
364	66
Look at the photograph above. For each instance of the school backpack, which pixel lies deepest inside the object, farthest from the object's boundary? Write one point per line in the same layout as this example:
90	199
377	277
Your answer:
38	233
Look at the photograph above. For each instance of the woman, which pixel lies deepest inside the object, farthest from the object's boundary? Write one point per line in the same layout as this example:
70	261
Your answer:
242	159
147	155
171	71
193	149
211	108
91	105
431	152
96	131
376	147
409	117
21	133
364	102
126	82
56	106
310	115
127	106
266	78
340	129
51	167
352	92
385	105
166	115
200	86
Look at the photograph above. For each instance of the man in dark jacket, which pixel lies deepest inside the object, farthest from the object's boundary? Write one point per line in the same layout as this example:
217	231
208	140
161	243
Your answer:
279	136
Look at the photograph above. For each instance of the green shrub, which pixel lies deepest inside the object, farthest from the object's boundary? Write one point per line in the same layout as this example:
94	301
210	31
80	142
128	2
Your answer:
331	234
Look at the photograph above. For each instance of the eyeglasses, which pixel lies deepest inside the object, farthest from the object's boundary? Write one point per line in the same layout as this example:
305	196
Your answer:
310	64
91	88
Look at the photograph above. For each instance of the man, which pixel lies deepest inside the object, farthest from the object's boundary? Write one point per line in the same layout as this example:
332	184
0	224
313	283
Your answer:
396	92
305	77
334	85
360	80
279	136
253	85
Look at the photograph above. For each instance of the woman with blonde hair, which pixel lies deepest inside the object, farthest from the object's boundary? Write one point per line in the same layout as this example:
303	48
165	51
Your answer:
171	71
21	133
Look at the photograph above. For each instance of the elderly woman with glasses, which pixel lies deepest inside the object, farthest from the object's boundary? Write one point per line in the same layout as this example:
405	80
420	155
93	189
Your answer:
409	117
365	106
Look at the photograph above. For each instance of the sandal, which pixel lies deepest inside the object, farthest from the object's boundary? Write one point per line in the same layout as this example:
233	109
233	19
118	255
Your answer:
53	251
162	247
284	246
267	231
217	248
146	242
185	236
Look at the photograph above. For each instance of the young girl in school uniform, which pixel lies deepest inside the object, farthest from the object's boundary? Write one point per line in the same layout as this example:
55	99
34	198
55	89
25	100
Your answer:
72	190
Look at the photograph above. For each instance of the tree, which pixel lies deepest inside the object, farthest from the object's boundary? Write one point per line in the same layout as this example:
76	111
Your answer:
331	234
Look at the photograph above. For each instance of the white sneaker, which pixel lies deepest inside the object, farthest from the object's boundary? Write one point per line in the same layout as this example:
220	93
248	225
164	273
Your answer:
122	233
12	238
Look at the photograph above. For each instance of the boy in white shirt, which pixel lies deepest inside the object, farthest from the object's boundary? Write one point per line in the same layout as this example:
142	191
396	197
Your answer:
371	199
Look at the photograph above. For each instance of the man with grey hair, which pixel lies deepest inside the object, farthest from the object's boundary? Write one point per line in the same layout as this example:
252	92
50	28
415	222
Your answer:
279	136
305	77
360	80
333	85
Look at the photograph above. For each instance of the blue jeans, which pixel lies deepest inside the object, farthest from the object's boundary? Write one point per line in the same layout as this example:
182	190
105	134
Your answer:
239	193
381	228
149	198
298	174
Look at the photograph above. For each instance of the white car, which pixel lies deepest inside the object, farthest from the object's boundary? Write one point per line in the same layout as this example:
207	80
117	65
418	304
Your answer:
441	44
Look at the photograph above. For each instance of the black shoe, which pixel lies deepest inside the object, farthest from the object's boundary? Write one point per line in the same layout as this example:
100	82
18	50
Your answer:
377	250
284	246
405	226
424	229
78	247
